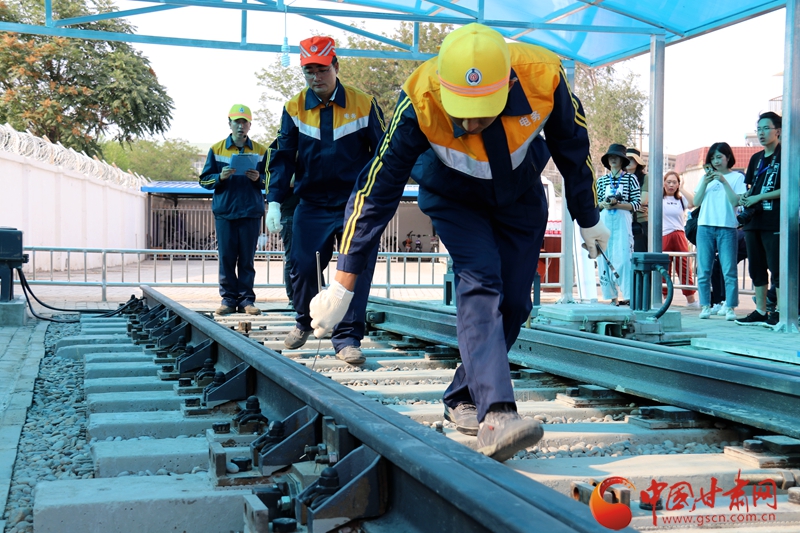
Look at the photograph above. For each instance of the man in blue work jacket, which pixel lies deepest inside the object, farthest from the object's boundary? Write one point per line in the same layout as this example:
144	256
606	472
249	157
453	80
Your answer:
238	205
479	107
329	131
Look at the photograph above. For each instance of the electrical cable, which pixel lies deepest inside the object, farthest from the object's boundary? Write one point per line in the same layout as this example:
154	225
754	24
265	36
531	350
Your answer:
103	313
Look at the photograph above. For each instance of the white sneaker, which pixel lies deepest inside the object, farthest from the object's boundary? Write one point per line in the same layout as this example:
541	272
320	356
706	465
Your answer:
715	308
730	314
695	304
723	310
706	312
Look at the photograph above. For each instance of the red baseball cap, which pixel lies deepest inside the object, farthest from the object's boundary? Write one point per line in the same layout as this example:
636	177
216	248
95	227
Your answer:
317	50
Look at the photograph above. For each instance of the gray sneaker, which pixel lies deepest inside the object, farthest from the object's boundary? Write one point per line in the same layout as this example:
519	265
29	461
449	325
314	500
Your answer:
225	310
464	416
351	355
502	434
296	338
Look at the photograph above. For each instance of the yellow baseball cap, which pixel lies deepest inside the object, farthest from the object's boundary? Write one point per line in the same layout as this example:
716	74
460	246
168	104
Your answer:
474	67
240	111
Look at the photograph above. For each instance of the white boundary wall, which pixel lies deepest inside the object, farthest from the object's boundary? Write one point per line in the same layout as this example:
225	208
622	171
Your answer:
58	207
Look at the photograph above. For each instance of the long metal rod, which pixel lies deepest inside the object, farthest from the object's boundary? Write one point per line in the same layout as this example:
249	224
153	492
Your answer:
567	265
496	497
655	165
319	290
790	167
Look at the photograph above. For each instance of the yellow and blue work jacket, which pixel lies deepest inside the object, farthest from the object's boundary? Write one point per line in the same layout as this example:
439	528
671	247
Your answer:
237	196
324	147
539	102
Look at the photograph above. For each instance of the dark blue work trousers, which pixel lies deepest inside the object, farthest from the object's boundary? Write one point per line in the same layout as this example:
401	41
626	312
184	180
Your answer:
236	241
495	253
315	230
287	221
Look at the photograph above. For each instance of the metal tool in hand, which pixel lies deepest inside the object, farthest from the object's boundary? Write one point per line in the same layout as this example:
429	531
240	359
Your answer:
319	290
610	266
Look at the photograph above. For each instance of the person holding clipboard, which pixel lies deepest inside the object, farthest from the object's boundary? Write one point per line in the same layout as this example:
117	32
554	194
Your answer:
235	170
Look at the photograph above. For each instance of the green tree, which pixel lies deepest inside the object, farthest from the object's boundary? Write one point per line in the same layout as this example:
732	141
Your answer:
73	90
614	107
382	78
281	83
171	160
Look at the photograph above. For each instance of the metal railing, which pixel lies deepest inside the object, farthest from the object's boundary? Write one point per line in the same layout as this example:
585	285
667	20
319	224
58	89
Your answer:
745	283
199	268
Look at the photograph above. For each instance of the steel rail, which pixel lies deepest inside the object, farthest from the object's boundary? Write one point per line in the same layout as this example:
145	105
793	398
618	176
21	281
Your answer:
755	393
481	494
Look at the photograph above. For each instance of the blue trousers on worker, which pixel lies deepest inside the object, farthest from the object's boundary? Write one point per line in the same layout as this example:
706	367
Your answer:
236	242
315	229
495	252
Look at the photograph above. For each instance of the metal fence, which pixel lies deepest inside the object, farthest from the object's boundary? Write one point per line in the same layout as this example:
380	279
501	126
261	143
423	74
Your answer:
189	225
199	268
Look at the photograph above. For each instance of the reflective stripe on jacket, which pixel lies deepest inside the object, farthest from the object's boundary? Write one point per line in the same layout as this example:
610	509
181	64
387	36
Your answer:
540	101
324	147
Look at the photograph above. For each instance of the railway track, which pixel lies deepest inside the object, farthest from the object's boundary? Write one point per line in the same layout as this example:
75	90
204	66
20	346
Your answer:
259	440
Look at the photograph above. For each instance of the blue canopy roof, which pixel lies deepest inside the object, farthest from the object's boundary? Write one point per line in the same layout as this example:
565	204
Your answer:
594	32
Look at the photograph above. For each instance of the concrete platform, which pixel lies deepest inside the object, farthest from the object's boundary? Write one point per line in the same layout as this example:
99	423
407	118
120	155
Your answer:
118	357
178	456
788	353
117	338
78	351
696	470
134	504
14	313
159	425
443	374
435	392
126	384
95	319
119	370
556	435
640	469
105	331
435	412
137	401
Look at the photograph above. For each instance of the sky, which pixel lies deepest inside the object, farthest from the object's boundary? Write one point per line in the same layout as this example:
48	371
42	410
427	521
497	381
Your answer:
715	85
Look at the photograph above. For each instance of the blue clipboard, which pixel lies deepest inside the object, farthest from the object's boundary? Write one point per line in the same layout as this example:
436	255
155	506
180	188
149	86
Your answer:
244	162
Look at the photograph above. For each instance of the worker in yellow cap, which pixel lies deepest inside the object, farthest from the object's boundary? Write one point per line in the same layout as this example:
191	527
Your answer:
328	132
475	115
235	170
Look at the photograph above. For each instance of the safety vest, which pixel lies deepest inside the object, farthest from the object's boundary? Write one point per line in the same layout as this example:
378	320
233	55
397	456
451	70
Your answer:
467	153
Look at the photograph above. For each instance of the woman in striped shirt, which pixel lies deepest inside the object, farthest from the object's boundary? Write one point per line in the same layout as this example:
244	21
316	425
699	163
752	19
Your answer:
618	197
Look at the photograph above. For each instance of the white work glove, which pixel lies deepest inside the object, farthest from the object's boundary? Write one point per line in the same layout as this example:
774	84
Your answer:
595	236
274	217
328	308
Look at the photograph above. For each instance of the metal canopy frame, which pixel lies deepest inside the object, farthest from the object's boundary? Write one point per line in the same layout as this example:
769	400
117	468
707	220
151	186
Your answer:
593	32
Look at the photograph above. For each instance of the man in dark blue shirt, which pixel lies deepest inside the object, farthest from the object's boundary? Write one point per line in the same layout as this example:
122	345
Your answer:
238	205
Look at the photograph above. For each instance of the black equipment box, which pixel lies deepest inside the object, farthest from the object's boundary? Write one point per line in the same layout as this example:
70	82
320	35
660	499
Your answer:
11	245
